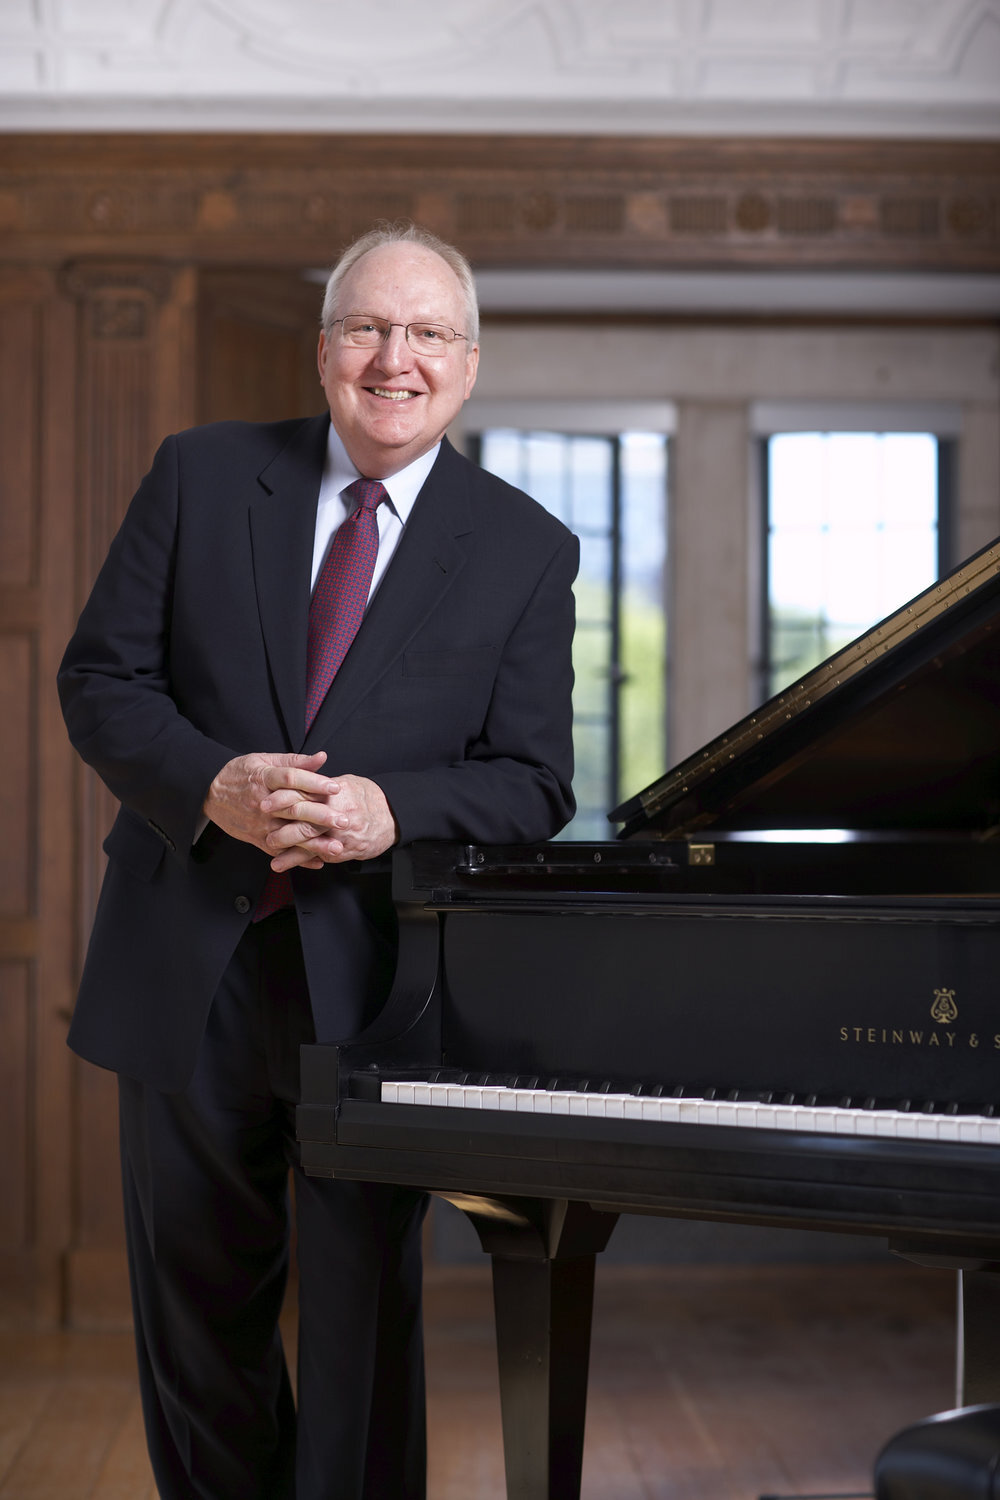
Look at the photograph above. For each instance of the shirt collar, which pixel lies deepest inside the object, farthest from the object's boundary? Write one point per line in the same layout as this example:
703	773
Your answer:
402	488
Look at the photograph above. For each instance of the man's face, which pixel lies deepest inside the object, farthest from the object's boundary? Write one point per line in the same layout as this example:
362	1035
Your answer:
390	404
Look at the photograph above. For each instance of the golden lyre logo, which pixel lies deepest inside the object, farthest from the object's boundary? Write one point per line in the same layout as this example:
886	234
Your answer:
944	1008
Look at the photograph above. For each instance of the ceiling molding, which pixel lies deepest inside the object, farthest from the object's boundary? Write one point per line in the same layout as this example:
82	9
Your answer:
857	120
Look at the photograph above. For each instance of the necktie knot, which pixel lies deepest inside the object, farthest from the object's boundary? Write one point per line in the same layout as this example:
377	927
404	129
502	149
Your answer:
367	492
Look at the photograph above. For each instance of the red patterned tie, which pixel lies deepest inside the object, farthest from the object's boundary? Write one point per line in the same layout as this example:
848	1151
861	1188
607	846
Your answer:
338	606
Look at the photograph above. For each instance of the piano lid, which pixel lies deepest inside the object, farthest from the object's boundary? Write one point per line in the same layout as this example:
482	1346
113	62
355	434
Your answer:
898	731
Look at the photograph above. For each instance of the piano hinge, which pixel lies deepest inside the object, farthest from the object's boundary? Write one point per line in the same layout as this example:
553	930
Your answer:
701	854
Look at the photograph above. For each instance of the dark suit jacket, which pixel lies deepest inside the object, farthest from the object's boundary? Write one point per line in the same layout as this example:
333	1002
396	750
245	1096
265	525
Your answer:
454	697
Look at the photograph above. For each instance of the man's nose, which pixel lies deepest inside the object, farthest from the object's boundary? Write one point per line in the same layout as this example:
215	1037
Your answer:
395	353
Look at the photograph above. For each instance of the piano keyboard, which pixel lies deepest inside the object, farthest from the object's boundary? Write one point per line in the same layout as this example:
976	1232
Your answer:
759	1112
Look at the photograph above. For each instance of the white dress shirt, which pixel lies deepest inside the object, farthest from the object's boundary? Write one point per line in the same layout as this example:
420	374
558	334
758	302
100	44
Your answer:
392	515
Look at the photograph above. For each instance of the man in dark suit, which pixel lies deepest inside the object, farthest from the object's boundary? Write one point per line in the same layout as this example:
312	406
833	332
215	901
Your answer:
246	907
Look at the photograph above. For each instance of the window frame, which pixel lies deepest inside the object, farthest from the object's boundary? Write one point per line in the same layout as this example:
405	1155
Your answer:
770	419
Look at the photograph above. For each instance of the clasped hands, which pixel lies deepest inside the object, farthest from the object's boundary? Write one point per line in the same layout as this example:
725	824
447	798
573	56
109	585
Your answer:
285	807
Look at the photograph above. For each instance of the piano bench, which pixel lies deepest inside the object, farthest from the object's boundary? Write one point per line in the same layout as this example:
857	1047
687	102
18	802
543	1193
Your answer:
952	1456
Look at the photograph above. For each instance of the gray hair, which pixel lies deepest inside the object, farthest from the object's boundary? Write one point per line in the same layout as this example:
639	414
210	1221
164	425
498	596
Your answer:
404	233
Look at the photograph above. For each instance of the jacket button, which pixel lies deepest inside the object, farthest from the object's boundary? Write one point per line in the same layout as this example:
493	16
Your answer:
242	903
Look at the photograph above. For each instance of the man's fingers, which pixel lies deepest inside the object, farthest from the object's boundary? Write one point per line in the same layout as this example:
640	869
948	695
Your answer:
297	778
288	835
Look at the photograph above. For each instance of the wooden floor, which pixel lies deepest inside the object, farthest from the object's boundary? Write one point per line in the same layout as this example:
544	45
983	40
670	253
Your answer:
712	1383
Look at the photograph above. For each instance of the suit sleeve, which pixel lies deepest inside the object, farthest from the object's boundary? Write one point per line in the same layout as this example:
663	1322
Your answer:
514	783
114	681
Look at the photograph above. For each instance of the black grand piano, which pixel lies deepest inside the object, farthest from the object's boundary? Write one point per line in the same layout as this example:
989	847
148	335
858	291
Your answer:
773	999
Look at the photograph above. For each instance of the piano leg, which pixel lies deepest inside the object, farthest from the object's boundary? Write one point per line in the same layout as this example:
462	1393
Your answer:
543	1256
979	1332
543	1319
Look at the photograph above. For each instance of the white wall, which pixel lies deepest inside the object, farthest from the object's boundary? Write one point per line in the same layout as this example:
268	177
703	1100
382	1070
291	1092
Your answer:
715	376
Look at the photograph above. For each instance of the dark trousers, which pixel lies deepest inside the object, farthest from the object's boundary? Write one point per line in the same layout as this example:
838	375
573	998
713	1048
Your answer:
206	1186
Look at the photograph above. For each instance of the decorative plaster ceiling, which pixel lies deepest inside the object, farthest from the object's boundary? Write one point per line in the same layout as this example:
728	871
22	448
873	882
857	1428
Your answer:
814	67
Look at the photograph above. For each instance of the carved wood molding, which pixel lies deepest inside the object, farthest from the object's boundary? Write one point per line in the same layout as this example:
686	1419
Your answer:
507	200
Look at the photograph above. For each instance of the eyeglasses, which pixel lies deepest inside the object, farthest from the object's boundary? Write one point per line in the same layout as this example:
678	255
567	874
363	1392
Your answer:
364	332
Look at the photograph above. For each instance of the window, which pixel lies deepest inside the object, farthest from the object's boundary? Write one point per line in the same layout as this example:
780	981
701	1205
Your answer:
856	524
611	491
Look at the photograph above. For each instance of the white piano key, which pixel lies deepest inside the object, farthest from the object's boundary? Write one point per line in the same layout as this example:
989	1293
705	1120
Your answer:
597	1106
389	1092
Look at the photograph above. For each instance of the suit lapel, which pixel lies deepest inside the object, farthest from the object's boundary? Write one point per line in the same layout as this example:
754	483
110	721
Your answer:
282	531
424	566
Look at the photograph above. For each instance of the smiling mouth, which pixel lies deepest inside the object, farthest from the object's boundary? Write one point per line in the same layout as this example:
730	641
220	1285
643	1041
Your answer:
387	395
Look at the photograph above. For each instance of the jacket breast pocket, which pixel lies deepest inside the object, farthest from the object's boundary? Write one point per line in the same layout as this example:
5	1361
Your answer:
464	662
135	847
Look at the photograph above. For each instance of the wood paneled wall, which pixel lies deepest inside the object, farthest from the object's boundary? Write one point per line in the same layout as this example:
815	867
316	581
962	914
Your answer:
146	283
37	919
508	200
